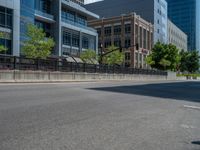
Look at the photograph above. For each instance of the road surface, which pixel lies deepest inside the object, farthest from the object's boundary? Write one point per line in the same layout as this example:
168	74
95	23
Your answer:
100	116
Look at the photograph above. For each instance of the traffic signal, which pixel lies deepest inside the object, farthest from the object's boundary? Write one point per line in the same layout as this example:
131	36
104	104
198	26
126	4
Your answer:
137	46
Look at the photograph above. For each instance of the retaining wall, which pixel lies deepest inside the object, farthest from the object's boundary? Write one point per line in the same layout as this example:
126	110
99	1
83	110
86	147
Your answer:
40	76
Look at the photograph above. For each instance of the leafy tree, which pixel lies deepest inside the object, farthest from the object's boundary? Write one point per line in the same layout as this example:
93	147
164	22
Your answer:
189	61
89	56
37	45
115	57
2	48
164	57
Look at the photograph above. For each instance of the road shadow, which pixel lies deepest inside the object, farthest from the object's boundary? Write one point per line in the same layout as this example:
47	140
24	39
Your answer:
189	91
196	142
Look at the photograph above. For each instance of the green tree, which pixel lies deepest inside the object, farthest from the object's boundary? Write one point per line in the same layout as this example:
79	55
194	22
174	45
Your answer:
37	45
164	57
113	58
2	48
189	61
89	56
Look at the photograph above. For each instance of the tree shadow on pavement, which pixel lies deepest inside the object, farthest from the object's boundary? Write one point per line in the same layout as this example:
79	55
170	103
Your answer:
196	142
189	91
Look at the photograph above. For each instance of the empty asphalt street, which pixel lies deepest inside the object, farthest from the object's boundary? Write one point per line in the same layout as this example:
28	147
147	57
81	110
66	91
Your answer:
122	115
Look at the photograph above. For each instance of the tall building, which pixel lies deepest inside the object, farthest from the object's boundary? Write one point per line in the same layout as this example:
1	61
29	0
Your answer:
63	20
91	1
126	31
154	11
81	2
176	36
9	26
186	15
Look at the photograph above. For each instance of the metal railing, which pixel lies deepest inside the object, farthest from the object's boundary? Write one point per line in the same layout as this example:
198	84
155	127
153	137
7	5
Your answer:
20	63
78	24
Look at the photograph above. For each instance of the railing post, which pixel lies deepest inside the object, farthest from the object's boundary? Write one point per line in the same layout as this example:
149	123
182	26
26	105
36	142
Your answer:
37	64
84	67
95	68
56	65
71	66
14	63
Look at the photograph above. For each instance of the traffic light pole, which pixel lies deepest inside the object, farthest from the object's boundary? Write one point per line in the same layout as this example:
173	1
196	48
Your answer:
120	49
102	55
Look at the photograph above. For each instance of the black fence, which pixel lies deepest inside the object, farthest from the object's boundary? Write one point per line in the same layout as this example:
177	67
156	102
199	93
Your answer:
19	63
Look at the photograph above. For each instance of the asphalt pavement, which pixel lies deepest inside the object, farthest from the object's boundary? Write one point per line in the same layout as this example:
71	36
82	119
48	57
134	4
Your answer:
122	115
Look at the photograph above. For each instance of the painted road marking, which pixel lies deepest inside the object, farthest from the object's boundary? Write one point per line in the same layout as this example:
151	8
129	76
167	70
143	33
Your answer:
187	126
192	107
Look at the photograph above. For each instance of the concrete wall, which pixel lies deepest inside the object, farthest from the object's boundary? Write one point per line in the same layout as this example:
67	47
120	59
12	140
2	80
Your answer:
171	75
39	76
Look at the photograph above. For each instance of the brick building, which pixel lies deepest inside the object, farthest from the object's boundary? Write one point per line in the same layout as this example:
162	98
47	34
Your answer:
126	31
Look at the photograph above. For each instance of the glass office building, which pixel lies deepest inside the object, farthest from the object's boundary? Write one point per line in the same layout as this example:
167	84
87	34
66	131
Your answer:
185	14
64	20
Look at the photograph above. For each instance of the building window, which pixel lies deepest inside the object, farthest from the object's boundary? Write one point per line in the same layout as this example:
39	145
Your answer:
85	43
141	37
127	42
66	38
136	34
140	58
107	31
81	20
117	30
127	28
43	5
71	16
127	56
107	43
8	44
148	40
5	17
45	26
117	42
144	39
75	40
99	31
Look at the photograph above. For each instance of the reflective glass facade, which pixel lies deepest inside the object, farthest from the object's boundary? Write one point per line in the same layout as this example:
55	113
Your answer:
63	20
183	13
27	16
46	13
6	22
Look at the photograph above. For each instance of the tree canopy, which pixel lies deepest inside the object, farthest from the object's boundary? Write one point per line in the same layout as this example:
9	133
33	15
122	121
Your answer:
37	44
164	57
2	48
89	56
113	58
189	61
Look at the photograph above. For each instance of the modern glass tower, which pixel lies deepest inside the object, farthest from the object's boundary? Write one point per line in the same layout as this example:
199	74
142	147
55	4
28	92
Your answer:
185	14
